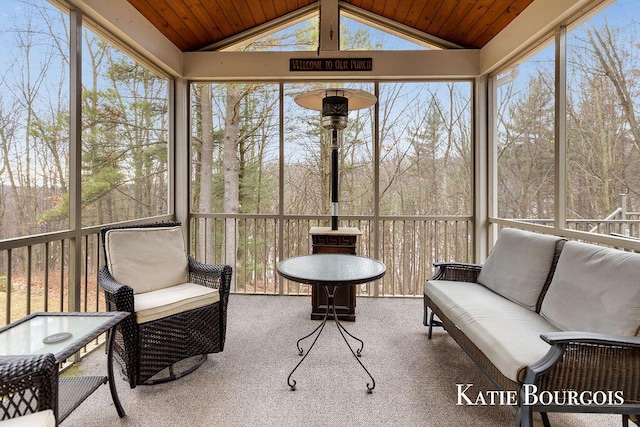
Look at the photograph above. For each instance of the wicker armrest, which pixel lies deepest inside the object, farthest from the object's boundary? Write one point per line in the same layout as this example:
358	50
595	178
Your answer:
215	276
554	338
456	271
28	384
119	297
589	361
212	275
117	293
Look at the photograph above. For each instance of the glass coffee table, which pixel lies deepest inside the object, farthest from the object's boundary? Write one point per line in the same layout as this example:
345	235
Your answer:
331	271
63	335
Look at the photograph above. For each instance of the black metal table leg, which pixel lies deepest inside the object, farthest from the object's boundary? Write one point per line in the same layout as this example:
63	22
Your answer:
321	325
356	353
342	329
319	328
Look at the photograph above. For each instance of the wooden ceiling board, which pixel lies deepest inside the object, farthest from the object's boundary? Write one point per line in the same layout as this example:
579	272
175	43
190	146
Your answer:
458	20
201	12
391	8
269	9
508	14
439	17
193	24
282	8
362	4
378	7
231	15
215	13
245	13
483	19
160	23
165	23
399	13
255	7
418	13
304	3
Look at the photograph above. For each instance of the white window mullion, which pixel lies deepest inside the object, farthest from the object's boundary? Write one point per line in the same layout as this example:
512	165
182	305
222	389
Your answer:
561	129
75	159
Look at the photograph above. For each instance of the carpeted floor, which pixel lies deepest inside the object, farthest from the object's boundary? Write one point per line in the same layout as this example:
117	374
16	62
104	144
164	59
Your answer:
246	385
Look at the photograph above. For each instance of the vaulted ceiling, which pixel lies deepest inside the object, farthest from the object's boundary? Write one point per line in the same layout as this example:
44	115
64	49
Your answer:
196	24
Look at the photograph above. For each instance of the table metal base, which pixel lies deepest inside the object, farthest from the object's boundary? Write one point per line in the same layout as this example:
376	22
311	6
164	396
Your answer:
357	353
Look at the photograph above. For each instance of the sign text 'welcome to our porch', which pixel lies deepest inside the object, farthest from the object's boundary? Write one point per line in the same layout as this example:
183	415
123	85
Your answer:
330	64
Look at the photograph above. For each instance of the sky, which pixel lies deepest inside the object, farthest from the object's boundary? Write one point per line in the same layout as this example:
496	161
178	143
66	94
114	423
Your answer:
14	13
622	13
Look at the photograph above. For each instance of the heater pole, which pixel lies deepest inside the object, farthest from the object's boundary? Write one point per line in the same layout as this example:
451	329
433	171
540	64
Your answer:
334	179
334	105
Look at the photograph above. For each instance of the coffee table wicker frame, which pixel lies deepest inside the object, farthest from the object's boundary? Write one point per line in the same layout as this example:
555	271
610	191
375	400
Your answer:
28	384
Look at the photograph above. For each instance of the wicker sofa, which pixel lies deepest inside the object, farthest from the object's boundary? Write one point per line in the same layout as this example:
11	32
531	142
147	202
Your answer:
554	324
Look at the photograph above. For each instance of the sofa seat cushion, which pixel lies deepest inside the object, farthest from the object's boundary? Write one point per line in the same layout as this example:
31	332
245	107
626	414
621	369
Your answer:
176	299
147	259
595	289
37	419
507	333
519	265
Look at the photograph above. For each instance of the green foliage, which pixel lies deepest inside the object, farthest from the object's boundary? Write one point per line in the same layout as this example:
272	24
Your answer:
59	211
359	39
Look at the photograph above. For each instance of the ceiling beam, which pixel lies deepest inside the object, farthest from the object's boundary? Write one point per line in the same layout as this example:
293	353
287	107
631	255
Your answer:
534	26
124	22
274	66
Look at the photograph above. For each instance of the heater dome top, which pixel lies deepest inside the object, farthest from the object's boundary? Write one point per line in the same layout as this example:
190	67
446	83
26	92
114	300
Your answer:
357	98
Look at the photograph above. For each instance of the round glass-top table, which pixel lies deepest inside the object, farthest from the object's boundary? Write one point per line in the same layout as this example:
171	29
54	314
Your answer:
331	271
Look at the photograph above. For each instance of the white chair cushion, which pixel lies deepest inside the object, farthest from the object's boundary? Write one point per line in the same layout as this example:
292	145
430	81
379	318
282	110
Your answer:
147	259
518	266
507	333
37	419
172	300
595	289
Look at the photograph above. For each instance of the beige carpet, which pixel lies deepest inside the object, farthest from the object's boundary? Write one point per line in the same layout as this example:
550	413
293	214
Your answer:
246	384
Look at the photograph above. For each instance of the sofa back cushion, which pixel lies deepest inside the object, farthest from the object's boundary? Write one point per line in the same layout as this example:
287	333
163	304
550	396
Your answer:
595	289
518	266
147	259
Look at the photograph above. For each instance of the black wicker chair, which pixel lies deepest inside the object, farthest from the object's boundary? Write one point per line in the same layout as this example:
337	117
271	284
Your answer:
29	387
173	345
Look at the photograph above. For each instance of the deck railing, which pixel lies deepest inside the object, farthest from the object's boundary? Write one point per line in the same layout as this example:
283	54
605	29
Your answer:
38	273
629	227
35	276
44	273
407	245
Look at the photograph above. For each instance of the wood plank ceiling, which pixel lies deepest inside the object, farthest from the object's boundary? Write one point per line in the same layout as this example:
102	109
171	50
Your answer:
195	24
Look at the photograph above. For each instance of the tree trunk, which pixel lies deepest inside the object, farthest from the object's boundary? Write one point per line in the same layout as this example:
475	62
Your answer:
206	172
231	172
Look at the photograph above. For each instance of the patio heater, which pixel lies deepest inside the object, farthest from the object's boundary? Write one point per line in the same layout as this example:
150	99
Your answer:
334	105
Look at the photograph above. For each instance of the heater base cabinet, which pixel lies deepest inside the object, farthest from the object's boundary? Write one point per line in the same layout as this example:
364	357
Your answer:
340	241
